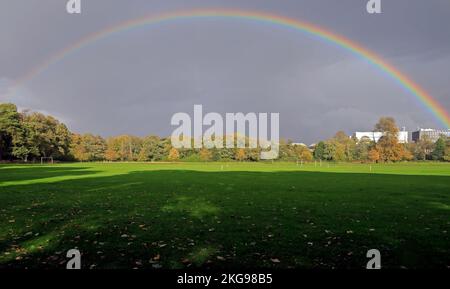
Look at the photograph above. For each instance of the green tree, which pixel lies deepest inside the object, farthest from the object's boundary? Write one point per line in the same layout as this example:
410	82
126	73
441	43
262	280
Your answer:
319	151
226	154
46	136
439	149
329	151
334	150
362	149
24	145
9	127
153	149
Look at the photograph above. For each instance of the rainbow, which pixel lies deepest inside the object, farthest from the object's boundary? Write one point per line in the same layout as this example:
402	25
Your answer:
431	104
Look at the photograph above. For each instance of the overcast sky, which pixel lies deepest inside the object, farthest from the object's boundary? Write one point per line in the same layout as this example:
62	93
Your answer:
134	81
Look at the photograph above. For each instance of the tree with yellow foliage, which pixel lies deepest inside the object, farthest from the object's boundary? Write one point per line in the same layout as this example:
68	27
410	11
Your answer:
205	154
306	155
447	153
240	155
78	150
303	153
406	155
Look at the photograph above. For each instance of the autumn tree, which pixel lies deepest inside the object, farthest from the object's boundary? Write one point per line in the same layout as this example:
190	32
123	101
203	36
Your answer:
373	155
387	126
205	154
88	147
111	155
115	149
388	146
303	153
126	147
174	155
341	136
306	155
240	155
347	146
78	149
447	153
406	155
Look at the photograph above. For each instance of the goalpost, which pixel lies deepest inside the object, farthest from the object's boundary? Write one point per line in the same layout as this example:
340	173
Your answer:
48	159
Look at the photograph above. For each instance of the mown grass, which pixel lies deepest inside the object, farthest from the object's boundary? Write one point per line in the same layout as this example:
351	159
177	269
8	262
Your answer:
225	215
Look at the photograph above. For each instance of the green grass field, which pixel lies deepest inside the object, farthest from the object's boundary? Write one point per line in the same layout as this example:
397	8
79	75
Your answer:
225	215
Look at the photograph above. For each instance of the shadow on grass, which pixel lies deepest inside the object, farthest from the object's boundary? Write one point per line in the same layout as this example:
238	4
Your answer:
32	172
182	218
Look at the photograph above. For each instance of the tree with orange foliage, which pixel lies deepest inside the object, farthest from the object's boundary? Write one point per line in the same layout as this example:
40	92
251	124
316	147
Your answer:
111	155
390	150
240	155
174	155
374	155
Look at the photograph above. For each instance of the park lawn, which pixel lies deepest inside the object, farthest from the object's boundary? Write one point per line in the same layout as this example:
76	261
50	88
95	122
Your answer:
225	215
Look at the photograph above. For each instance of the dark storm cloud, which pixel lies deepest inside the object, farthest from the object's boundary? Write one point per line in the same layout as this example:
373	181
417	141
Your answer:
133	82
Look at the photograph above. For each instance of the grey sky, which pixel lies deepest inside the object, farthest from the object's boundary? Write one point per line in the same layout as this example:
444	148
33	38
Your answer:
132	82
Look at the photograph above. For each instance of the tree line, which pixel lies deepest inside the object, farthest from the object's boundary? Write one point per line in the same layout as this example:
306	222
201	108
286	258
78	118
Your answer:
388	148
29	136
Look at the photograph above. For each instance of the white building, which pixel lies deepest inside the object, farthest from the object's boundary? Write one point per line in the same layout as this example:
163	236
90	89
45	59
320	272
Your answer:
376	135
298	144
432	134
